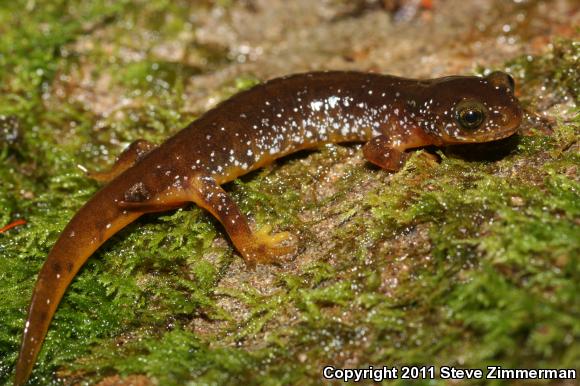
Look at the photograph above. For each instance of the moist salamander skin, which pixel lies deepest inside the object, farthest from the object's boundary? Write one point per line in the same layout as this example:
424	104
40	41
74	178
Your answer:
253	128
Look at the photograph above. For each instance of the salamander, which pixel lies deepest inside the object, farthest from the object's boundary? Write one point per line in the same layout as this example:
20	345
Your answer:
391	115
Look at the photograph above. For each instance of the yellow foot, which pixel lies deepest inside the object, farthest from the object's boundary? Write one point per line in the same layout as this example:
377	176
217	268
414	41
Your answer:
265	248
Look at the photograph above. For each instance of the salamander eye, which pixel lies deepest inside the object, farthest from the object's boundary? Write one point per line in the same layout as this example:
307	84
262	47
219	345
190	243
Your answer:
470	114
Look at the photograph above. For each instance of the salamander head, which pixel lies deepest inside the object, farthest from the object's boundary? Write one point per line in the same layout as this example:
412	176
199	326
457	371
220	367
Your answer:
469	109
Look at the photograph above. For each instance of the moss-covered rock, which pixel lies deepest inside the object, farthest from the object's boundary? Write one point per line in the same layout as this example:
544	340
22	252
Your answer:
468	262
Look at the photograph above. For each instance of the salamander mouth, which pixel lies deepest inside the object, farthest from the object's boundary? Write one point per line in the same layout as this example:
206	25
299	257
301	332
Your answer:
489	136
482	136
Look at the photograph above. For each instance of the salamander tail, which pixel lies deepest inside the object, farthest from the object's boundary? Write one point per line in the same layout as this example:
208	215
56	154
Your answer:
94	223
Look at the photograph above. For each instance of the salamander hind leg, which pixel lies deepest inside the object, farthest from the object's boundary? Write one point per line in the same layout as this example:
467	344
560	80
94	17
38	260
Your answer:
133	153
258	247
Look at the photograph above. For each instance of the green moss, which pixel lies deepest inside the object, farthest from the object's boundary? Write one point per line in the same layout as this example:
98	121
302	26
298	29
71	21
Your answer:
555	72
471	261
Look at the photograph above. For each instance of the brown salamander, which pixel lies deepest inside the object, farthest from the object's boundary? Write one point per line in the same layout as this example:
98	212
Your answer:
252	129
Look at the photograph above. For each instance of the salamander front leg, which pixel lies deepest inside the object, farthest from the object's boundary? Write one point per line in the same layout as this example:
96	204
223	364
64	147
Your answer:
388	151
380	152
133	153
258	247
